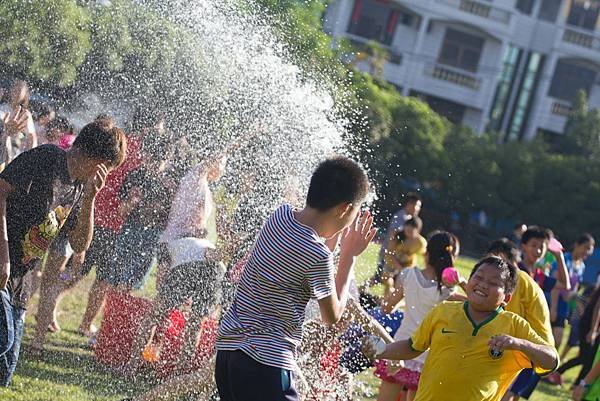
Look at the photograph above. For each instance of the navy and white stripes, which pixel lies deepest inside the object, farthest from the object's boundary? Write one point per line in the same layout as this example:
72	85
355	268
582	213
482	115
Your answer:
288	265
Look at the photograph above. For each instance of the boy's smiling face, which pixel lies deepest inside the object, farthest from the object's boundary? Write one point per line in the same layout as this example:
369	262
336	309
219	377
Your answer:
485	289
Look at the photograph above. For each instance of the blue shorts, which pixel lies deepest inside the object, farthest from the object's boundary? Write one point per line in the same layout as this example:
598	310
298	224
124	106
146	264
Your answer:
525	383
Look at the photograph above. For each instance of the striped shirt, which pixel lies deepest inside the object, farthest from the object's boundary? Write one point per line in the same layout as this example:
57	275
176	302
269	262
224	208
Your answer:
288	265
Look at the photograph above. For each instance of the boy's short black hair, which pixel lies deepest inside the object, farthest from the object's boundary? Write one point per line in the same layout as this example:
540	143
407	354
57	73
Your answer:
412	197
508	271
506	247
335	181
102	140
535	232
415	222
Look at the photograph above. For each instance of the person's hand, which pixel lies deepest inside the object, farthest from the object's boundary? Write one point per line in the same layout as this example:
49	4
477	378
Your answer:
358	235
15	122
578	393
4	275
96	182
372	347
503	342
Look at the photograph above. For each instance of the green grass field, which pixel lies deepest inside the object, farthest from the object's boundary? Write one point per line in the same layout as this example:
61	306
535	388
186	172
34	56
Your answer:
68	371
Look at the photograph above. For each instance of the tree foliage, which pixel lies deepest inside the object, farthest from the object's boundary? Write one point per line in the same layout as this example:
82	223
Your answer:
582	131
44	40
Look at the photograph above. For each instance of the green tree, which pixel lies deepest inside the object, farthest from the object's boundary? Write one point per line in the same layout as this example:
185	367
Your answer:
582	131
44	40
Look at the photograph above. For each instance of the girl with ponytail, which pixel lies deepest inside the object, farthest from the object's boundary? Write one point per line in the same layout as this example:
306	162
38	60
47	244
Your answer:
422	290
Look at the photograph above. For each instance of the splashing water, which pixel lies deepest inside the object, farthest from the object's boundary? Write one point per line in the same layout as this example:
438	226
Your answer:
235	87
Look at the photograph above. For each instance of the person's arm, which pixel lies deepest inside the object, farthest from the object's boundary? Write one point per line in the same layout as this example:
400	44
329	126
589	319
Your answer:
396	351
391	301
368	322
541	356
583	386
5	190
554	297
354	241
81	236
562	274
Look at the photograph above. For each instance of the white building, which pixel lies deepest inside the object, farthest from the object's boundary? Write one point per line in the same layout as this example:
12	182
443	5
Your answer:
512	66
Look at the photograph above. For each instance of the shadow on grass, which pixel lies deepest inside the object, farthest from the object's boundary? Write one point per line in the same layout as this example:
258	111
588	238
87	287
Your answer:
76	367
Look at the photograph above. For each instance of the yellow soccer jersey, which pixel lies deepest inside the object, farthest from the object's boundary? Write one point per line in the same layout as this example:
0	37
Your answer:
460	365
529	302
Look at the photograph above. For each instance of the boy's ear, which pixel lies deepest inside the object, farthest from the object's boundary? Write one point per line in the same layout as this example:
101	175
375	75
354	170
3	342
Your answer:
344	209
507	298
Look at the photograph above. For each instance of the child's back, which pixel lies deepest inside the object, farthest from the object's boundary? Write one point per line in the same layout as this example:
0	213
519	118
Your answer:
288	265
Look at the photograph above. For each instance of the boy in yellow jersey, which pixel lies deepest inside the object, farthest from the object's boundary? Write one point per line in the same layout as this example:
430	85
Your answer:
476	348
528	300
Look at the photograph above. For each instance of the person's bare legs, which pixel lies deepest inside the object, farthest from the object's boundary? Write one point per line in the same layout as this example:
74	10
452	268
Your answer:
50	289
144	335
191	335
96	298
558	332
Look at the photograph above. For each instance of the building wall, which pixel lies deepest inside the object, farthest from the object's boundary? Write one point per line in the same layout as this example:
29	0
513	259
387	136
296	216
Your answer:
502	26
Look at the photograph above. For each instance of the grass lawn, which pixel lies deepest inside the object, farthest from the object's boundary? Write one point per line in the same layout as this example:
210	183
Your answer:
68	371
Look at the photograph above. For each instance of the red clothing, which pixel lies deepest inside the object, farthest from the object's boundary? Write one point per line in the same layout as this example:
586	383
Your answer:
106	211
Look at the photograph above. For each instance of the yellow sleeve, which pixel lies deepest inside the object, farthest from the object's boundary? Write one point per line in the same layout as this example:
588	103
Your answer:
538	315
423	249
421	338
524	331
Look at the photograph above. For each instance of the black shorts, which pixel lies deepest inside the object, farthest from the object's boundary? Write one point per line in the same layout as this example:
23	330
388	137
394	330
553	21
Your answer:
101	253
559	322
200	281
241	378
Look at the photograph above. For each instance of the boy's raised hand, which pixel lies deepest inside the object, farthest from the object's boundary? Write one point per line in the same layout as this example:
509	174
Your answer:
15	122
96	182
358	235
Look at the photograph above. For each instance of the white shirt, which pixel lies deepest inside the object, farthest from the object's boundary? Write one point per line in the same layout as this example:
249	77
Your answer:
191	208
420	295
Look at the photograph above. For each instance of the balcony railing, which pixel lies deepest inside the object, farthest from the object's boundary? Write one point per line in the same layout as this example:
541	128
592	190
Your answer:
480	9
449	74
581	38
561	109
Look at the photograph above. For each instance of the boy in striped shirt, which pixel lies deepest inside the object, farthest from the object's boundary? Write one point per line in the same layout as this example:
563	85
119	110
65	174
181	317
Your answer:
290	263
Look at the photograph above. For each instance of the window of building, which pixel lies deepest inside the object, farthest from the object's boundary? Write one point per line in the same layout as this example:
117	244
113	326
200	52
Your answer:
376	20
461	50
584	14
525	6
505	83
549	10
526	96
569	78
454	112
